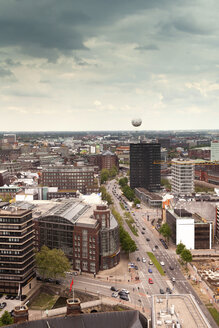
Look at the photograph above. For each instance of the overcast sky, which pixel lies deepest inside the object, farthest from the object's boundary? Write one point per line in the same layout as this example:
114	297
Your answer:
96	64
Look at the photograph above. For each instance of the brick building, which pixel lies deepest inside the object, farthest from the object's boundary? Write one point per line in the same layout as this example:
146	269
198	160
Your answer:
107	160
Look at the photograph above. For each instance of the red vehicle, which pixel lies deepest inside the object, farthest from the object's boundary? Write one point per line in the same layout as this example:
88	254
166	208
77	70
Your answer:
150	281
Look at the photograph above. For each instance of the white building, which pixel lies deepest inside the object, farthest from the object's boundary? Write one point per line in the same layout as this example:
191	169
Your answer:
215	150
182	177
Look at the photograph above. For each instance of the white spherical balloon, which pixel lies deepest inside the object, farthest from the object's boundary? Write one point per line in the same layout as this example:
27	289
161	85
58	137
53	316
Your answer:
136	122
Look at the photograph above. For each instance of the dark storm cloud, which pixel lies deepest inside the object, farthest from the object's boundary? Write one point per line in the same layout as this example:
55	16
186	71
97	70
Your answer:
44	28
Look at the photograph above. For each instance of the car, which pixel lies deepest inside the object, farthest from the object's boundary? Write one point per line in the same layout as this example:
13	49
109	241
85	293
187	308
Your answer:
75	273
150	262
168	290
4	304
1	295
143	228
156	246
150	281
143	259
153	249
7	297
161	291
171	267
58	282
114	294
12	313
12	297
124	297
173	279
148	239
136	267
23	297
162	263
17	297
143	232
121	293
150	270
138	259
114	289
125	291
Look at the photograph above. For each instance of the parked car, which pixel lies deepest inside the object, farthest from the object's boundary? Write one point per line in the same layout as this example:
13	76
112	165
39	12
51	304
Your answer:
171	267
150	270
143	259
125	291
121	293
168	290
12	297
1	295
114	289
150	262
7	297
173	279
161	291
124	297
162	263
143	232
156	246
143	228
114	294
136	267
138	259
148	239
150	281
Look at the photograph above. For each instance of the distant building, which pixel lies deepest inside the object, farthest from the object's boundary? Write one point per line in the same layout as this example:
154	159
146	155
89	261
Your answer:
17	250
190	229
88	234
215	151
182	177
70	178
9	138
145	166
164	142
106	160
4	178
200	153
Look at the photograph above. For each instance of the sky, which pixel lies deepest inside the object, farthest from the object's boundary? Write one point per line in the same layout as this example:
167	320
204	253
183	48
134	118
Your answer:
73	65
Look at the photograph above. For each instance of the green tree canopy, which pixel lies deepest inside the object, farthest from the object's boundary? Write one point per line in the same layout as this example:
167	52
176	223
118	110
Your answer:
123	181
165	230
113	172
186	255
52	263
6	319
127	243
128	192
105	195
136	201
104	175
180	247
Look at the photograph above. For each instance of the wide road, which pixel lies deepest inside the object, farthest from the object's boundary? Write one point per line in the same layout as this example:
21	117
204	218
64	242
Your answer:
181	285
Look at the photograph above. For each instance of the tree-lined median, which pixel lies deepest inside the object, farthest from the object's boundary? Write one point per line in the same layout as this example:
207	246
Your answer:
156	263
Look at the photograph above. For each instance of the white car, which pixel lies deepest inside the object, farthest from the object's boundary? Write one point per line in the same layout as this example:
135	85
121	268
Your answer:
115	294
143	259
125	291
162	263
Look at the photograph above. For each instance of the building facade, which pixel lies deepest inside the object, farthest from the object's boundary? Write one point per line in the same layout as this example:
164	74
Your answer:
88	234
182	177
70	178
145	166
215	151
17	269
4	178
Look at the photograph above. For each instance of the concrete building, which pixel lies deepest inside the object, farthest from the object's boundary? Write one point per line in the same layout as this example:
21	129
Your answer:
190	229
4	178
16	250
149	198
68	177
145	166
215	150
87	233
182	177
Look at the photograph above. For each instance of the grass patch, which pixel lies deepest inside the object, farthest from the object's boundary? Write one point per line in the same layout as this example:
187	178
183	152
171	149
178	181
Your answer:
44	301
214	314
132	228
122	206
156	263
117	217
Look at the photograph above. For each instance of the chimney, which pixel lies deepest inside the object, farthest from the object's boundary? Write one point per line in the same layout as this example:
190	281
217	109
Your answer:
20	314
73	306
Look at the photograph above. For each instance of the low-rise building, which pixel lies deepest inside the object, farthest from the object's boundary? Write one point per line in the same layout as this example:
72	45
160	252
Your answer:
150	198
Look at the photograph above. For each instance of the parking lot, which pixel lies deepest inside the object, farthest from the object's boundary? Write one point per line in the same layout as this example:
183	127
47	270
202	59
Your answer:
10	304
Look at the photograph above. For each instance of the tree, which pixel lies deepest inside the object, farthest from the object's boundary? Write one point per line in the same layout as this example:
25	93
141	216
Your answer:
165	230
127	243
180	247
136	201
128	192
123	182
113	171
6	319
186	256
52	263
104	175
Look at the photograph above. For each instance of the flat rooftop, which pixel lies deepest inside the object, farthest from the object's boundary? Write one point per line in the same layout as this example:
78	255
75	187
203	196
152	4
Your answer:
172	309
151	195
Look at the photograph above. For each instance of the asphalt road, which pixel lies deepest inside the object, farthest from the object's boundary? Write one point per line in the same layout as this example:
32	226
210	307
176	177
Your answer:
181	285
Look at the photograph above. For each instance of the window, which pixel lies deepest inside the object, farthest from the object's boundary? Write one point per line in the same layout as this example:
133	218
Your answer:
84	265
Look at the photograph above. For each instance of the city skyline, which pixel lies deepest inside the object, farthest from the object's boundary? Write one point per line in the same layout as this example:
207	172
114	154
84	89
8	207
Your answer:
69	66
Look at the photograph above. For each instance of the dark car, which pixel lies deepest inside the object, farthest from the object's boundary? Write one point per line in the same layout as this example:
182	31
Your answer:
114	289
143	232
124	297
143	228
156	246
138	259
171	267
3	305
168	290
23	297
58	282
147	239
7	297
39	278
161	291
12	297
122	293
136	267
12	313
1	295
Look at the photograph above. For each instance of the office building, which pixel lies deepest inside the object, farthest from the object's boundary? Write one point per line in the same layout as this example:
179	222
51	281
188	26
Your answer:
88	234
145	166
190	229
4	178
214	151
107	160
70	178
16	250
182	177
